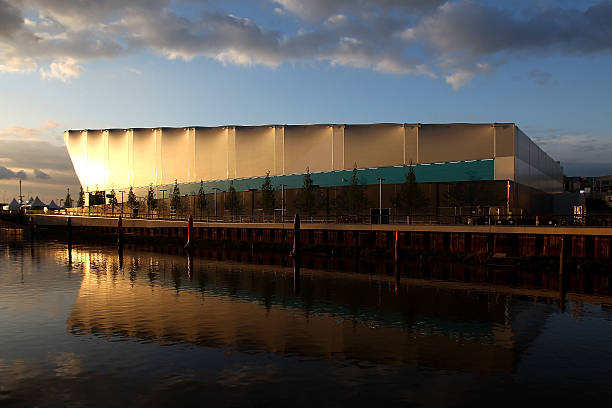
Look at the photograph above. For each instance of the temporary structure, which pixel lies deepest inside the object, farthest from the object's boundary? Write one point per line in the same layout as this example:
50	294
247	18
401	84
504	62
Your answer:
37	204
14	205
53	206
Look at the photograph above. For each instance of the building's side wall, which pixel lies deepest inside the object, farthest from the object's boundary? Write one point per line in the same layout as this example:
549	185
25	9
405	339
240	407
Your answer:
308	146
144	157
176	156
96	165
118	159
76	144
534	168
254	150
504	143
211	153
455	142
373	145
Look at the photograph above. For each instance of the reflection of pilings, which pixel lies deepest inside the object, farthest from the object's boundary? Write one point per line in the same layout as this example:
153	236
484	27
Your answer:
120	233
295	253
296	275
120	255
562	266
31	227
69	227
396	262
190	264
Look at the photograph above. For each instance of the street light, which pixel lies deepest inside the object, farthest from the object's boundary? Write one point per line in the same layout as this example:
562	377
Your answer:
162	203
252	190
283	203
121	202
380	180
216	189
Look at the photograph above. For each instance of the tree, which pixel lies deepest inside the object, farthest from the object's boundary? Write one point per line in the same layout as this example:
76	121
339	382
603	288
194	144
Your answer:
132	202
356	198
202	200
81	201
113	198
268	200
68	200
151	201
232	203
410	196
306	200
175	200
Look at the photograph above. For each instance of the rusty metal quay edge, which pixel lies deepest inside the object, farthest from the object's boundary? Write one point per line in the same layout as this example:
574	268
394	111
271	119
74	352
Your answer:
84	221
580	242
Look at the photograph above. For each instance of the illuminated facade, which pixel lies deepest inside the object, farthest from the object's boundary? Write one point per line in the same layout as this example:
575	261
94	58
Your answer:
119	158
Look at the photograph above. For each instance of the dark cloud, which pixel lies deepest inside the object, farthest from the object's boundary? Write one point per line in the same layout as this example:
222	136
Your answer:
484	29
10	19
39	174
34	155
460	39
318	9
6	173
540	77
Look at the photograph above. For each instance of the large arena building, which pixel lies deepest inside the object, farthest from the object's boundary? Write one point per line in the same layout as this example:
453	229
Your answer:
497	154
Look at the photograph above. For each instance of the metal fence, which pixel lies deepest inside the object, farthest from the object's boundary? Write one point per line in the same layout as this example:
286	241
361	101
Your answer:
446	216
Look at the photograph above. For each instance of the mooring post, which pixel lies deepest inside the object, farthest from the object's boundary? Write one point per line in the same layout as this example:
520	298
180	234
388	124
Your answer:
189	245
562	260
396	262
69	227
295	252
120	232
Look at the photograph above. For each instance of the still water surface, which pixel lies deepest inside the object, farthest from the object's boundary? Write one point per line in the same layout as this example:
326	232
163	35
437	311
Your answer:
92	329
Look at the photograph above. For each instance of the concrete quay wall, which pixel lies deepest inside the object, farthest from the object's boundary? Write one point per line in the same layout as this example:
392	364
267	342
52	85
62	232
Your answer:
584	242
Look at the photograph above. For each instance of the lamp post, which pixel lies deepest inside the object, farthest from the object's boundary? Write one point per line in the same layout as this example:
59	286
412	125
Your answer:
216	189
380	180
252	190
162	203
121	202
283	203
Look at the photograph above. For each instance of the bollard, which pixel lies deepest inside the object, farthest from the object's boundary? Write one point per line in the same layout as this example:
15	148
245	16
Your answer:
562	260
31	227
396	262
189	246
295	252
120	232
69	226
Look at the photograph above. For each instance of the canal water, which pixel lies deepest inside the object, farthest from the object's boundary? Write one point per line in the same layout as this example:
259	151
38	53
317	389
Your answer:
95	327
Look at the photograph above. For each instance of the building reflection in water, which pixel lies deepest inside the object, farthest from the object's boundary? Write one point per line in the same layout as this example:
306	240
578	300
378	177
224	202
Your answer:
332	315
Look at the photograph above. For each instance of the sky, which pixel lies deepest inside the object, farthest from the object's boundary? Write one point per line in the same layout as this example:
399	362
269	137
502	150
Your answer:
64	64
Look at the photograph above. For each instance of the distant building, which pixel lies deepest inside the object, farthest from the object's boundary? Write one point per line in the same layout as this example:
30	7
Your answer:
497	158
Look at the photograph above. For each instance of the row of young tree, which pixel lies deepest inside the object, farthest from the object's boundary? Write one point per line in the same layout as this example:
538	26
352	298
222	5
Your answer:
310	200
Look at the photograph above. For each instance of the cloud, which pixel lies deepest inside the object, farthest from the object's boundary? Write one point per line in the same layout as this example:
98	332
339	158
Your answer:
25	133
39	174
6	173
450	39
321	9
64	70
540	77
469	33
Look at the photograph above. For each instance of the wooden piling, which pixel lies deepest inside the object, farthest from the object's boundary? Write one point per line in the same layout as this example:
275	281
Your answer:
295	252
190	245
120	232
